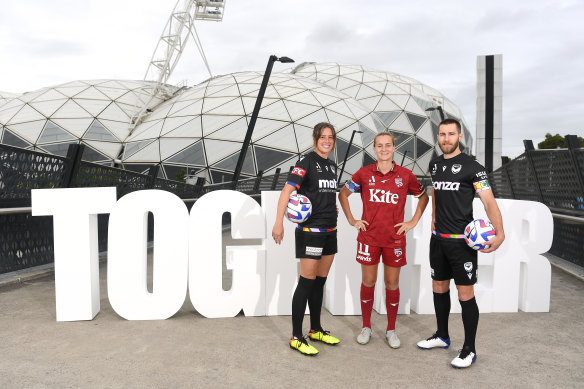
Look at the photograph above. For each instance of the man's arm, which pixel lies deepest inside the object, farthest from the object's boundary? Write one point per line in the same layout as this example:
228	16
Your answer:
494	215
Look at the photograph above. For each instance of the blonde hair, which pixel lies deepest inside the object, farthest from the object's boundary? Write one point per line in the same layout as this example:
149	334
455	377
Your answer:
385	133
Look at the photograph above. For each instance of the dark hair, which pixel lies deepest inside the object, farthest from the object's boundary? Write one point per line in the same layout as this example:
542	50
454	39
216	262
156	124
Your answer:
450	121
317	132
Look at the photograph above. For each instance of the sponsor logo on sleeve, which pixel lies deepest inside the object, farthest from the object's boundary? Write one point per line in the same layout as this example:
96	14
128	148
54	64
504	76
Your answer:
299	171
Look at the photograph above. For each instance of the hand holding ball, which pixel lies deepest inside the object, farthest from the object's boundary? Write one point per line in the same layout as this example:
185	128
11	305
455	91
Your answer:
477	234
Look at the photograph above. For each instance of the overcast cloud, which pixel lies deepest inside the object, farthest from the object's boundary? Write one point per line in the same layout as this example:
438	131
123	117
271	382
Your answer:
46	43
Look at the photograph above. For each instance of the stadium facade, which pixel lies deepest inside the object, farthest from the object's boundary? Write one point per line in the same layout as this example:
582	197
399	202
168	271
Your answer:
199	130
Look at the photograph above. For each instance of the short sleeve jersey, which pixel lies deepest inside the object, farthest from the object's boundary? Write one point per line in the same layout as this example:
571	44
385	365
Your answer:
316	178
384	199
455	181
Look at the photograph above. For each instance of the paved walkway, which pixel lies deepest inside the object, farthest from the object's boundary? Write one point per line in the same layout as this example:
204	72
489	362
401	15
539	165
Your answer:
515	350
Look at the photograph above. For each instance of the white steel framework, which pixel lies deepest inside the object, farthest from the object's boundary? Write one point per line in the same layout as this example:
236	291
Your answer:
174	37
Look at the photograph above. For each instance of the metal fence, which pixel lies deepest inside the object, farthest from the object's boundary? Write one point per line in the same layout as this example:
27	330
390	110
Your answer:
27	241
555	178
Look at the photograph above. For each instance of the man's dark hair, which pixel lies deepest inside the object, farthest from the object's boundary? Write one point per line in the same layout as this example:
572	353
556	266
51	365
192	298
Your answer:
317	132
451	121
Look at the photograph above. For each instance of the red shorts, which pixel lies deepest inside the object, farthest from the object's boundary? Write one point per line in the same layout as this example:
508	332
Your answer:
392	256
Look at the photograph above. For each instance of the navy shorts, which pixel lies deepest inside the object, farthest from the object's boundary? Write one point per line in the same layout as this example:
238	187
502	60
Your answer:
314	245
453	259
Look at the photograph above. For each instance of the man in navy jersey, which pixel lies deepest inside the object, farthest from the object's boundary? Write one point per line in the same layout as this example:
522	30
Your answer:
456	178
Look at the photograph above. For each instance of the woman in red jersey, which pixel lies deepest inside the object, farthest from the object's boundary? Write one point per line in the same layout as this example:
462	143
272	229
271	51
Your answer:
384	187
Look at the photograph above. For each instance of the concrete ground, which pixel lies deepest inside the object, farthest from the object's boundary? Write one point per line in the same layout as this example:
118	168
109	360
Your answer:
515	350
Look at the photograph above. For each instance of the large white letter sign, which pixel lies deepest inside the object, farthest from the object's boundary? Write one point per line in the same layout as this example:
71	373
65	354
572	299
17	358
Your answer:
74	212
127	255
248	263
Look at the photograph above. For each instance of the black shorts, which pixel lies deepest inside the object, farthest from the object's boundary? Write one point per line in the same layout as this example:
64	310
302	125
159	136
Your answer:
453	258
314	245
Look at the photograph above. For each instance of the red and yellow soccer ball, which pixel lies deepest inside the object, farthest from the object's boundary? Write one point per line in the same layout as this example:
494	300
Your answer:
299	208
477	234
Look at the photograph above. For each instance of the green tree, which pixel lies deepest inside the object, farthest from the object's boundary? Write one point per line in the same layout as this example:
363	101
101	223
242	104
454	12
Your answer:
180	176
556	141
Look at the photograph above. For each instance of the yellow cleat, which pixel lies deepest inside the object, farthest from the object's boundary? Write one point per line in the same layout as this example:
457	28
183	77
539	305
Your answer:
302	345
323	336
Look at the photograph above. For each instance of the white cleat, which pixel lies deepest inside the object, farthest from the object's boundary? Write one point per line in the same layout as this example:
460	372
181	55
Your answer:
364	336
434	341
392	339
464	359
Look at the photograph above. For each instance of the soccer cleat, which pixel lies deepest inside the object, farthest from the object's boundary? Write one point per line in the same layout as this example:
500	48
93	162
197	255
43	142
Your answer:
464	359
434	341
392	339
323	336
302	345
364	336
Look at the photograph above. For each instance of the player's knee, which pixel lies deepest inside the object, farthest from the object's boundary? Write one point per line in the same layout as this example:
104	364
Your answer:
465	292
440	286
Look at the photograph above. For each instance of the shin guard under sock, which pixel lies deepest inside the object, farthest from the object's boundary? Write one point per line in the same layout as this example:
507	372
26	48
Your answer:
367	295
392	305
315	303
303	290
470	321
442	309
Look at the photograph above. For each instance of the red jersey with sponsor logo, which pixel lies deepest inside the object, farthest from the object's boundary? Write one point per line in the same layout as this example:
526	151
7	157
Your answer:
384	199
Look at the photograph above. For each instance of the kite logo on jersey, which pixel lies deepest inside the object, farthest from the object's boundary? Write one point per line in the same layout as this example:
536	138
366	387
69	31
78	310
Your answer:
399	182
456	168
381	196
299	171
446	185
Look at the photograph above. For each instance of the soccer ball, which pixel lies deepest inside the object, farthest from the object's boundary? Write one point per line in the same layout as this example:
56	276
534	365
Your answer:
477	233
299	208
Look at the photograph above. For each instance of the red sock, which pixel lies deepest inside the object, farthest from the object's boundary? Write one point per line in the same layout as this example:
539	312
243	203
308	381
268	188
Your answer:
392	304
367	295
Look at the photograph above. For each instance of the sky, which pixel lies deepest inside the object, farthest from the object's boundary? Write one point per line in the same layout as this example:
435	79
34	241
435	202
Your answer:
46	43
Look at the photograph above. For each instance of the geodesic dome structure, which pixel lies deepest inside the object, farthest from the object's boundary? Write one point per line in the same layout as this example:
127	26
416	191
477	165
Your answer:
399	102
96	113
201	130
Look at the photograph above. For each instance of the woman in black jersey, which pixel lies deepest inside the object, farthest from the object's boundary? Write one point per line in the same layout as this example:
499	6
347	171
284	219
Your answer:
316	239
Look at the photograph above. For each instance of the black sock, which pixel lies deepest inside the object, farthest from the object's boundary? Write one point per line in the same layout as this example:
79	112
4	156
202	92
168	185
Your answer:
303	290
442	309
315	302
470	320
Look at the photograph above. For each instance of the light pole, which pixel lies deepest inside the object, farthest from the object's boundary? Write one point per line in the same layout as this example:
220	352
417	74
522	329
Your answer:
347	153
254	115
439	109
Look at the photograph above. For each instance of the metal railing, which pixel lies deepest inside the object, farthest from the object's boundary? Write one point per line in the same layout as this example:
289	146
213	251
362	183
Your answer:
556	179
